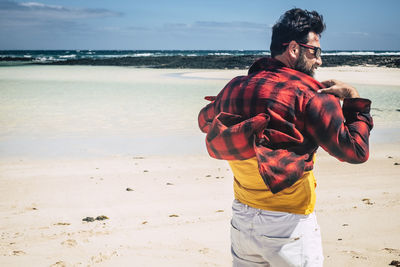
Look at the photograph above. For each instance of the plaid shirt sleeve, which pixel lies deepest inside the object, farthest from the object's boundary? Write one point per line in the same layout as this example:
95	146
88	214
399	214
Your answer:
206	116
342	131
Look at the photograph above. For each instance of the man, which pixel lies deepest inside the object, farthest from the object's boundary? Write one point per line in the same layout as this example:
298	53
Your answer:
268	125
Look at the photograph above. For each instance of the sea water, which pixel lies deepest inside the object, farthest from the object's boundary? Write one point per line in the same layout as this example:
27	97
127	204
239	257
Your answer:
385	110
62	55
99	111
84	111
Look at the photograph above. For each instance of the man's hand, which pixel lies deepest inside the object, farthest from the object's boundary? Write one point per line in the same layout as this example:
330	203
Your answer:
339	89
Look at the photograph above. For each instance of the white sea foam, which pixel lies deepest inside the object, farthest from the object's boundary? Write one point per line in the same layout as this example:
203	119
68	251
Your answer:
111	56
220	54
143	55
68	56
44	59
390	53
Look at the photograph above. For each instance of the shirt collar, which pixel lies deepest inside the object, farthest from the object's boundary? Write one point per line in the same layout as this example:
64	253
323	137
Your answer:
265	63
272	64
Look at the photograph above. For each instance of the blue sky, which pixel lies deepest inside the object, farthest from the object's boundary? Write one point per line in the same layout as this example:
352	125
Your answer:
176	24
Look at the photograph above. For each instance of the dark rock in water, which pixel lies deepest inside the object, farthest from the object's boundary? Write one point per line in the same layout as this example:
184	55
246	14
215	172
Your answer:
16	59
101	218
360	60
88	219
224	62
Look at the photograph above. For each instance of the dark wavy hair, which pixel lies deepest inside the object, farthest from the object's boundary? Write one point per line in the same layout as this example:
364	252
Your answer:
295	25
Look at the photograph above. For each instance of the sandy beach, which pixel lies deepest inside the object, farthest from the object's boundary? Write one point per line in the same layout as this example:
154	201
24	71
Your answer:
102	175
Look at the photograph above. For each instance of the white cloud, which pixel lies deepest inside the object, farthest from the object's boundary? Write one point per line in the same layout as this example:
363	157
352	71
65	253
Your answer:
40	5
34	12
218	26
356	34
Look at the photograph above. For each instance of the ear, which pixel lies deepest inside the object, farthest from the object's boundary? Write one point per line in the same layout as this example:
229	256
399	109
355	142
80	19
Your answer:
293	50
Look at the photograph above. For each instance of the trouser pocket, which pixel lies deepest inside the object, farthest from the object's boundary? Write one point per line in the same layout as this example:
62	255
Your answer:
281	251
256	248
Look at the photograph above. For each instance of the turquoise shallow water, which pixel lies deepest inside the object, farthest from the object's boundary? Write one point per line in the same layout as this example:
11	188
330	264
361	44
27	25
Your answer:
67	115
385	104
102	111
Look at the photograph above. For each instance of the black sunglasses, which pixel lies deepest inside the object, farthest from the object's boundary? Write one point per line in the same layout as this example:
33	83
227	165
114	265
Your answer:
317	50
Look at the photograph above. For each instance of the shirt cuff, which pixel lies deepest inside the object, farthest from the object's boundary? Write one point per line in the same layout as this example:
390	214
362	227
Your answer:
362	105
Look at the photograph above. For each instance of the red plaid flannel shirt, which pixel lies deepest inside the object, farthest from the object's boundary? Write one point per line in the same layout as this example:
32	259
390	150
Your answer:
275	114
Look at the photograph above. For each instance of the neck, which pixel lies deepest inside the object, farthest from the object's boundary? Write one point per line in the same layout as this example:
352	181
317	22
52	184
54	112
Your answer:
285	60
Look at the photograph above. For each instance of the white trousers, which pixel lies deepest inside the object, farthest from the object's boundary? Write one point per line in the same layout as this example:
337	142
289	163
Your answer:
276	239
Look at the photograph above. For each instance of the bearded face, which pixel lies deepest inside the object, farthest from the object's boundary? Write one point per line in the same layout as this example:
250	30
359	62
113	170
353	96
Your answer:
304	64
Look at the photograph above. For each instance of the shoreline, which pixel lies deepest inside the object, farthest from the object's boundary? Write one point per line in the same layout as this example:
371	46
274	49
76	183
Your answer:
370	75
